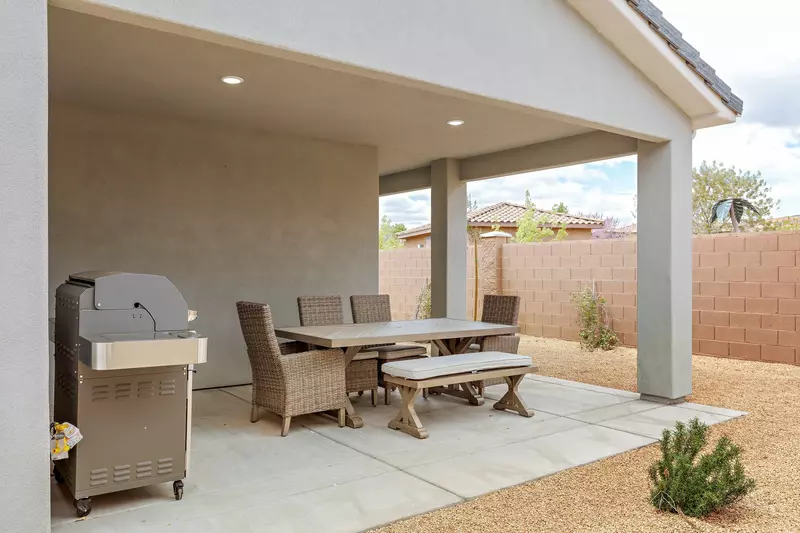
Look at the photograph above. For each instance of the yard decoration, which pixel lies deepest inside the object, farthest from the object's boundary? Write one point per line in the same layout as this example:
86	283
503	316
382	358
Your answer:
733	208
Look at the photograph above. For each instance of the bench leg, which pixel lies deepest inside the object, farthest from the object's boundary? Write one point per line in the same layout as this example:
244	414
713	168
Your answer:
407	420
466	391
512	400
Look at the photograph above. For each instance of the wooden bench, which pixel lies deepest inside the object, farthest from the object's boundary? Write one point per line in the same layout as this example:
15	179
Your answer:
412	376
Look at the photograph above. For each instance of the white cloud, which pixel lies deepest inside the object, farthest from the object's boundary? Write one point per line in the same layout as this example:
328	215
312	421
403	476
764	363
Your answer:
773	151
412	209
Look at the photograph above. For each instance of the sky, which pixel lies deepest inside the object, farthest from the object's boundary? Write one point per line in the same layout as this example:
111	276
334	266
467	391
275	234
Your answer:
754	46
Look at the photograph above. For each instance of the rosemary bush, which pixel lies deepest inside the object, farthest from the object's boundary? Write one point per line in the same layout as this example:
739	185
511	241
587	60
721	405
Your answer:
694	486
594	332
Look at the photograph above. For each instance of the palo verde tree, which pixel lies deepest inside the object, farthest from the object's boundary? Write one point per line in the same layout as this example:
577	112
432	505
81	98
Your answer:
530	227
714	182
387	234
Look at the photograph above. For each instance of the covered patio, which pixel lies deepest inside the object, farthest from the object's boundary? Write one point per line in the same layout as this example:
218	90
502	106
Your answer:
125	151
245	477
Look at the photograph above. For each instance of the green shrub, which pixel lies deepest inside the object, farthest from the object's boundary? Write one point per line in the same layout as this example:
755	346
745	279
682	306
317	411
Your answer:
594	332
696	487
424	302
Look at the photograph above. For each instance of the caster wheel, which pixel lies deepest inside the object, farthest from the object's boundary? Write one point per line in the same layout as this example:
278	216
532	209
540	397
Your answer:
177	488
58	477
83	507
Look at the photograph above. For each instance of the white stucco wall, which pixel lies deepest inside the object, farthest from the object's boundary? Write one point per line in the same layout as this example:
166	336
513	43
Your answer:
541	54
24	414
226	214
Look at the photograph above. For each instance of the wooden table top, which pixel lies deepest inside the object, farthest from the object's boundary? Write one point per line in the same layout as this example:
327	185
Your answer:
344	335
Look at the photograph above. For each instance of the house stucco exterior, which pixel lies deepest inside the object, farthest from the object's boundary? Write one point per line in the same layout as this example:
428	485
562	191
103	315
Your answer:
268	193
215	209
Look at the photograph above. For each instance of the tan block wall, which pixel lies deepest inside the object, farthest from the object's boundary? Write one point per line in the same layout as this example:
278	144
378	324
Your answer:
403	273
746	289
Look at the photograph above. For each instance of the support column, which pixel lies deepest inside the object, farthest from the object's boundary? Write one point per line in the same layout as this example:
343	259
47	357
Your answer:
23	265
448	241
664	269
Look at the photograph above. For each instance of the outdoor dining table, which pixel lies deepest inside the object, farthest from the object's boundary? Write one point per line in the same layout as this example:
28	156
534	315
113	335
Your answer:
449	335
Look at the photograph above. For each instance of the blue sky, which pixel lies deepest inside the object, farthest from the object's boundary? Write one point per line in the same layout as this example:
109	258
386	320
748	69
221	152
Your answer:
755	47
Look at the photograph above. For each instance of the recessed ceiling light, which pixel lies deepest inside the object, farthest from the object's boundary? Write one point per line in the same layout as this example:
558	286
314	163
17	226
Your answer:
231	80
455	122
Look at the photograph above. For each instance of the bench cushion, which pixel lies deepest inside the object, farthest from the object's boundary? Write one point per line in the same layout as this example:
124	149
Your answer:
446	365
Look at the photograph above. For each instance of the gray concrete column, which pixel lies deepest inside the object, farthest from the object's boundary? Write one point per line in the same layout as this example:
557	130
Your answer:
448	241
24	413
664	273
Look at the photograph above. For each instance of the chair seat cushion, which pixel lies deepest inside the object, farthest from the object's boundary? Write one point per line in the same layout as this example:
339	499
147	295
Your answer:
361	356
446	365
399	351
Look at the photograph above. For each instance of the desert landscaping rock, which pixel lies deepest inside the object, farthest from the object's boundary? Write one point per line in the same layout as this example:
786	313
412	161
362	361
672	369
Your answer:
612	495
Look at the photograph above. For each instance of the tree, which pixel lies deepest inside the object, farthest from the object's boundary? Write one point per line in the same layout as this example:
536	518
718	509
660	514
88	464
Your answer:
474	236
387	234
529	227
560	208
561	234
472	204
712	182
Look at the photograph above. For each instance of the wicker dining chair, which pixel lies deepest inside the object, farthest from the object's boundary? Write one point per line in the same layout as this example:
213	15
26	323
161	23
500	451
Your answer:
499	309
362	372
369	308
289	380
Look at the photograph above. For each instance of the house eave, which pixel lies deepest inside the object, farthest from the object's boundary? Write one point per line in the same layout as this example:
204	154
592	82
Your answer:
631	35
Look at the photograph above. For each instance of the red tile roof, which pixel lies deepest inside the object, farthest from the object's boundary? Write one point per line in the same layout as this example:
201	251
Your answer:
508	214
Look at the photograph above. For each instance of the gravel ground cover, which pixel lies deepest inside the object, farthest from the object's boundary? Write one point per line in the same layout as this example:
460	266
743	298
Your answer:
612	495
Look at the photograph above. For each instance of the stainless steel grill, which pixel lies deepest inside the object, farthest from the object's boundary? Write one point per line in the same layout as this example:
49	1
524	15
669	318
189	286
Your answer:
124	356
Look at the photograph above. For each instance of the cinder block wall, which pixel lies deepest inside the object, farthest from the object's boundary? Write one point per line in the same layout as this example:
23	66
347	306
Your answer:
403	273
746	289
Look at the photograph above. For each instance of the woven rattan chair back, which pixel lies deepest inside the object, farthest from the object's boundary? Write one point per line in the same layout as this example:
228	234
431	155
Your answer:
369	308
501	309
263	349
320	310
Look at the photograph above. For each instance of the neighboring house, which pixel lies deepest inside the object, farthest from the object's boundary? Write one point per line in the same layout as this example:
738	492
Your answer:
628	230
507	215
239	147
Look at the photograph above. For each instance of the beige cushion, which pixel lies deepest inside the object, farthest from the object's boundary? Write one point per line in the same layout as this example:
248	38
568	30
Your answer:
474	347
360	356
431	367
400	351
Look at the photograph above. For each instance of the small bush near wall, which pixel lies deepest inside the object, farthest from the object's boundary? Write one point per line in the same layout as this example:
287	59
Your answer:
424	302
682	483
594	332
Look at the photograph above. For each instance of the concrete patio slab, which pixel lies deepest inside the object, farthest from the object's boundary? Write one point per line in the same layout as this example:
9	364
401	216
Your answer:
489	470
653	422
584	386
560	400
245	477
615	411
732	413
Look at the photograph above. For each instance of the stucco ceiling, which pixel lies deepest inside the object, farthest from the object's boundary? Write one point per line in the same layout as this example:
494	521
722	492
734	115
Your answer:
120	66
